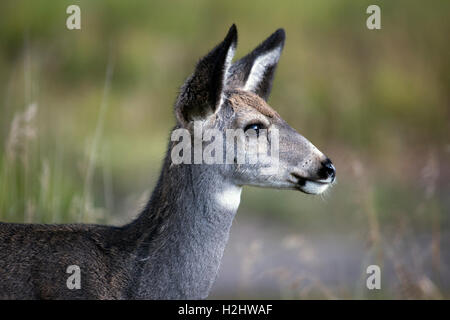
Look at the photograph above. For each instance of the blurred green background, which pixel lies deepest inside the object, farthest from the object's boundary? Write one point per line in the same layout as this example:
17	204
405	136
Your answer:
85	116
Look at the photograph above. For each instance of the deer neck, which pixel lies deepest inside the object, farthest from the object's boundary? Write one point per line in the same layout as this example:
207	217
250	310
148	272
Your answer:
185	228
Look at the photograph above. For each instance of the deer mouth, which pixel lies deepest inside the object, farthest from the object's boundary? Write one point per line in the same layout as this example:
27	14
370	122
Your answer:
311	186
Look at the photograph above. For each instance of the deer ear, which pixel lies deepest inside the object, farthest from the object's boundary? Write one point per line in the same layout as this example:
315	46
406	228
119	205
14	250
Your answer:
202	93
255	71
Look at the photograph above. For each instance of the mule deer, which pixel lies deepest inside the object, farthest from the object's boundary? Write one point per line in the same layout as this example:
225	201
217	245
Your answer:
173	249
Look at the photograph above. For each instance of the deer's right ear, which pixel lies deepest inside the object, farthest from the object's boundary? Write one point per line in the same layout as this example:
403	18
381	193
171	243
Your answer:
201	94
255	71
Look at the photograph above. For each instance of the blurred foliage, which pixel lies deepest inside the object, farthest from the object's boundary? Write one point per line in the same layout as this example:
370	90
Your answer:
377	102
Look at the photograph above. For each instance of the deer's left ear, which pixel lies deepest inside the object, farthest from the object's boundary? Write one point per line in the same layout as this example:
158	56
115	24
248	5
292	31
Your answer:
202	93
255	71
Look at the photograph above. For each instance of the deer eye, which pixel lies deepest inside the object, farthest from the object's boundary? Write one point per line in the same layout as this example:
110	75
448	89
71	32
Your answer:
254	126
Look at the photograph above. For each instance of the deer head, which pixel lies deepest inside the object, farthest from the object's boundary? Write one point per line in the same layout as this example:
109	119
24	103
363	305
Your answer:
227	96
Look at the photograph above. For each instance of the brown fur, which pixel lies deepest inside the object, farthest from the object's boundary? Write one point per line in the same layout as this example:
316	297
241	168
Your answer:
240	99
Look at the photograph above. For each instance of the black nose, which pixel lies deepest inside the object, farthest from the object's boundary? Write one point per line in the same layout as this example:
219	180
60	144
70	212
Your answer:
327	170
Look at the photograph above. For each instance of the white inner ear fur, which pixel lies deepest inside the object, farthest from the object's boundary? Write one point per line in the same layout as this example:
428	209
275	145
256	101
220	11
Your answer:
260	66
228	59
226	74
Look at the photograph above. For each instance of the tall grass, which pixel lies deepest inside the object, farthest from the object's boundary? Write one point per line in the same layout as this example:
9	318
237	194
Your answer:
32	186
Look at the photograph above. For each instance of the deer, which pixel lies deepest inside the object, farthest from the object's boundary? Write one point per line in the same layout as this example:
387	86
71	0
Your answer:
173	248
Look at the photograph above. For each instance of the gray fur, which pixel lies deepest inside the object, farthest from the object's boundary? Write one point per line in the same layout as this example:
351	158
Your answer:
174	247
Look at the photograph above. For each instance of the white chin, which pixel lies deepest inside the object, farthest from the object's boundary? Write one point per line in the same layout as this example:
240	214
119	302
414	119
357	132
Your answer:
312	187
